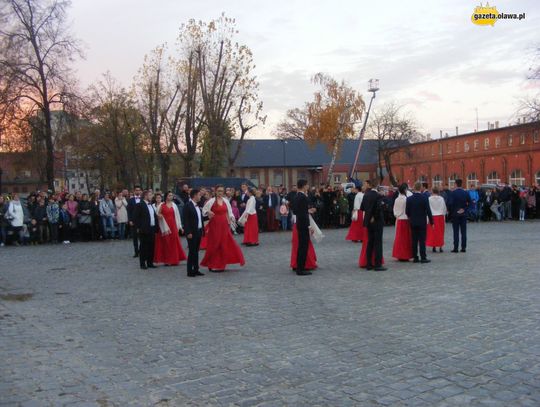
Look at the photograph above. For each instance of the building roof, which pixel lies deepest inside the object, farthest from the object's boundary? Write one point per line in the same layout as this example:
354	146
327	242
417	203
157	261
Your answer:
269	153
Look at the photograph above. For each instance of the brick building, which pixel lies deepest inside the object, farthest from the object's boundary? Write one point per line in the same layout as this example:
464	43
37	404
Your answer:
280	162
506	155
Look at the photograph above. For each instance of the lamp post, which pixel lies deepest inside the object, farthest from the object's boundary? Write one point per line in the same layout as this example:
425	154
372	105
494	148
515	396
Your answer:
373	86
283	142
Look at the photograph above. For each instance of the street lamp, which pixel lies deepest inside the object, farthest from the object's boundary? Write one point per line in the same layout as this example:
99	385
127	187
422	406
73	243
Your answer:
283	142
373	86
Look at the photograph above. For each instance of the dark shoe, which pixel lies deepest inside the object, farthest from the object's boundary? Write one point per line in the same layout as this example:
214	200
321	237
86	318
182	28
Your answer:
151	266
303	273
198	273
403	260
380	268
455	251
425	261
441	250
416	260
216	271
434	250
136	255
192	275
369	267
144	267
463	250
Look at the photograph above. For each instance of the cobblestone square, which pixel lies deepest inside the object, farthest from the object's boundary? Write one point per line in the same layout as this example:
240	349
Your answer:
98	331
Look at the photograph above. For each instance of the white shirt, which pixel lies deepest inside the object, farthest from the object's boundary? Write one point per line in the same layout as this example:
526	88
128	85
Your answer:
152	214
270	200
399	207
199	216
358	201
437	205
137	199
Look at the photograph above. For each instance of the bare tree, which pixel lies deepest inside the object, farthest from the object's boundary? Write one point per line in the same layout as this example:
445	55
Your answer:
35	50
294	125
391	128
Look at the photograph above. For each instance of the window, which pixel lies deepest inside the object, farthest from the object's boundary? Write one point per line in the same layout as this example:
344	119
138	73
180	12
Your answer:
486	144
337	178
422	179
432	150
82	174
278	177
452	180
72	186
536	137
493	178
516	178
81	186
437	181
522	139
56	184
497	142
510	140
24	190
457	147
476	144
472	180
254	177
449	148
466	146
537	177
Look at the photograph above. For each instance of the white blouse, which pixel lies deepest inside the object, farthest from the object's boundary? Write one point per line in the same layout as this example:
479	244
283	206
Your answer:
399	207
437	205
358	201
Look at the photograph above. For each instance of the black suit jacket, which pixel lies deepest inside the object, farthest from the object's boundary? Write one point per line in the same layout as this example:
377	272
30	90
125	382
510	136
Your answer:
372	205
272	197
191	220
141	218
300	209
131	208
417	210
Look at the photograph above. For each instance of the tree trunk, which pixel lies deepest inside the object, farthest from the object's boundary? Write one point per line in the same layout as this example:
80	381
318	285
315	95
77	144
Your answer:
188	165
165	165
49	166
333	161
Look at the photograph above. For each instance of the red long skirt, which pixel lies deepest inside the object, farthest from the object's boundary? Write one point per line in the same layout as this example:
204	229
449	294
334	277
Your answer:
311	259
435	233
168	249
204	240
402	249
362	261
356	230
251	230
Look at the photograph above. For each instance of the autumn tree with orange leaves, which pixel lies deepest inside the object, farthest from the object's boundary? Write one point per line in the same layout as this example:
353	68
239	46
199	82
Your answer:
333	115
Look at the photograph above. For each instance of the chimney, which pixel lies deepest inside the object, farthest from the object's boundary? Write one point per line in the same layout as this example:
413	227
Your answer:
457	132
519	121
445	135
428	136
489	125
441	133
496	124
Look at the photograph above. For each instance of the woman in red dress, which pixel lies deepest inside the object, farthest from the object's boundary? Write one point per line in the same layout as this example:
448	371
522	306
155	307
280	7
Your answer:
204	240
356	230
222	249
250	221
435	233
402	249
311	259
168	249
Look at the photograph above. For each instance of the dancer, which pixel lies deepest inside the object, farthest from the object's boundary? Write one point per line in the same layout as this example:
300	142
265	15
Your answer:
402	249
311	258
168	249
145	221
417	209
132	203
356	230
222	249
371	256
193	229
250	221
435	234
301	212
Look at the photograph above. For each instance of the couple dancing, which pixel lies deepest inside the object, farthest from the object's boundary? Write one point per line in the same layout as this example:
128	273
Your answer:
221	247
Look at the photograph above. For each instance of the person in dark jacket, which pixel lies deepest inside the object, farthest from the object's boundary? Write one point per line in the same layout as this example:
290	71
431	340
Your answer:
373	207
301	210
194	230
132	204
459	203
145	220
418	210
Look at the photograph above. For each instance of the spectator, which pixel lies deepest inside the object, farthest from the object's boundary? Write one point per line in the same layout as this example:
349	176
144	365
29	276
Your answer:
4	223
121	214
106	213
72	206
85	218
53	214
64	224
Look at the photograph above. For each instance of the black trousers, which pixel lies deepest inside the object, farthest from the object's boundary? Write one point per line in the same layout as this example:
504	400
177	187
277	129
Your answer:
374	247
303	245
418	234
135	235
459	223
146	253
193	255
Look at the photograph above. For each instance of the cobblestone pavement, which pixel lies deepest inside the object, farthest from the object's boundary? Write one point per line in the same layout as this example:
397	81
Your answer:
98	331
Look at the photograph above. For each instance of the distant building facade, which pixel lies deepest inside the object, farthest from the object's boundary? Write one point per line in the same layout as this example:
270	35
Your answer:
506	155
283	162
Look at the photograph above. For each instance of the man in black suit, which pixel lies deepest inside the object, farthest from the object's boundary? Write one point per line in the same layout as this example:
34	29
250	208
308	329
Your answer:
373	207
132	203
145	220
193	229
417	210
459	203
301	210
271	204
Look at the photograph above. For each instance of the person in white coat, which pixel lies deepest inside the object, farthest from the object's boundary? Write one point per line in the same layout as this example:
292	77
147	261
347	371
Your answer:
435	233
402	249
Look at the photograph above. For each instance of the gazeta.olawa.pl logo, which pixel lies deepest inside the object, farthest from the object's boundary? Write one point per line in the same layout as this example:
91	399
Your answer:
488	15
